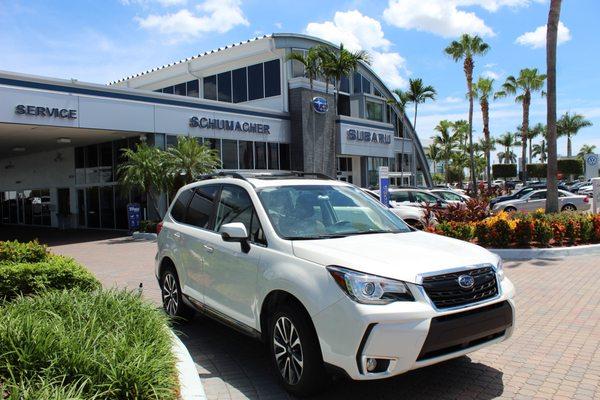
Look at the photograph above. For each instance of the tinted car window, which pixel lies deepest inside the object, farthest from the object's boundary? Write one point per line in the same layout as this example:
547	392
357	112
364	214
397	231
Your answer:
201	207
449	196
235	205
399	196
422	197
179	207
538	196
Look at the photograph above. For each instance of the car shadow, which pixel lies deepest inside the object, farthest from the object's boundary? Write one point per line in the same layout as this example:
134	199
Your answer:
232	364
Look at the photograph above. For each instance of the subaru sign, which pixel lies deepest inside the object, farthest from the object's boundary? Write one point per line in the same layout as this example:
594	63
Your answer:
592	165
320	104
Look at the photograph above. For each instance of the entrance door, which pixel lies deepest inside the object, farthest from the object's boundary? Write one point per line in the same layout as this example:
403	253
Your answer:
64	207
344	169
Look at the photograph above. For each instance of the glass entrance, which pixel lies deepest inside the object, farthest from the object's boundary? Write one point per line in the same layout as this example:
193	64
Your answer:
344	169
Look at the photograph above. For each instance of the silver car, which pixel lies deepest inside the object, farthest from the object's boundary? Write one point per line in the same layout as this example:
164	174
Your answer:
537	199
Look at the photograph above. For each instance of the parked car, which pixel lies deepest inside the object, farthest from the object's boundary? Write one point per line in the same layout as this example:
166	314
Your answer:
327	277
450	196
577	185
413	216
537	199
521	192
587	190
415	198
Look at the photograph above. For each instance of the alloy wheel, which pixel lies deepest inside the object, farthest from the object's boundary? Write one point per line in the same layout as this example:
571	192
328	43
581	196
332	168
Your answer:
287	349
170	294
568	207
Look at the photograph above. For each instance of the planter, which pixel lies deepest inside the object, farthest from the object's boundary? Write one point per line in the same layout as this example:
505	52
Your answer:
190	385
144	236
554	252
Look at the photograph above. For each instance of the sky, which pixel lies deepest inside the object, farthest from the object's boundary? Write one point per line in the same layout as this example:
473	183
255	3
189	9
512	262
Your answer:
104	40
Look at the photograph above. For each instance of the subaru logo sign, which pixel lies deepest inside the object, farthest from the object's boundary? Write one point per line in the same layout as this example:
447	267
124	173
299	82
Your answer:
466	281
320	104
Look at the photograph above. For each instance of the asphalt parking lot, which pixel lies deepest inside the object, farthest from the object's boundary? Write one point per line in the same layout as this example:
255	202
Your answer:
554	353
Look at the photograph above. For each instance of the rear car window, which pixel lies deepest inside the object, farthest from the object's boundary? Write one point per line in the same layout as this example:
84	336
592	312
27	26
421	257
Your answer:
180	206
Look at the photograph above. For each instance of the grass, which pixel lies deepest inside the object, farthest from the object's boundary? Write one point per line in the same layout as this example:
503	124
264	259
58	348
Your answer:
75	344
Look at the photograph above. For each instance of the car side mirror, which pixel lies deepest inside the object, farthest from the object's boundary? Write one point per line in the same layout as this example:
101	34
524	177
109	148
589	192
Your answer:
439	203
236	232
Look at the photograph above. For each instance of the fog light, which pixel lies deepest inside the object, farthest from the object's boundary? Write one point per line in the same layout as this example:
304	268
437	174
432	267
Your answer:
371	364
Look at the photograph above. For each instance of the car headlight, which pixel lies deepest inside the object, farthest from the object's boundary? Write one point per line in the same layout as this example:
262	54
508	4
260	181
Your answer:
500	269
369	289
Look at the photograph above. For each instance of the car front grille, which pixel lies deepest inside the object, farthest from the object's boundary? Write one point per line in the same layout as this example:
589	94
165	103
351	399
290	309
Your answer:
445	292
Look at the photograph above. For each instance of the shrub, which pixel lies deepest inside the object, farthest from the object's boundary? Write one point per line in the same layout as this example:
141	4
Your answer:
524	231
537	170
596	228
482	233
570	166
558	230
55	272
586	230
572	230
500	233
22	252
542	232
148	226
504	170
86	345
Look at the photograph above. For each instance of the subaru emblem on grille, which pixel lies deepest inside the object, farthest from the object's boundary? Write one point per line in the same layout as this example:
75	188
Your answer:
466	281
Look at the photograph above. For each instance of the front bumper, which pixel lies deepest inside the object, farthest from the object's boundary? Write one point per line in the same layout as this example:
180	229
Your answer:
409	335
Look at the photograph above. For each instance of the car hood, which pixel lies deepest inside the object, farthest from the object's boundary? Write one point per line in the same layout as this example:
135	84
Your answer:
400	256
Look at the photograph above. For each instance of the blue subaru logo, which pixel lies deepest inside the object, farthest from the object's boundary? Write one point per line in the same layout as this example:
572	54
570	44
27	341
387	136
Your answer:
320	104
592	159
466	281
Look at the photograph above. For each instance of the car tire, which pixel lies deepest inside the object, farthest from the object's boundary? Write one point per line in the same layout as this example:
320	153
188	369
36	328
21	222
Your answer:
295	351
172	298
510	209
568	207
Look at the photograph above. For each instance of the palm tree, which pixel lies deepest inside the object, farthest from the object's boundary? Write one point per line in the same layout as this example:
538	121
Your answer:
465	49
523	86
461	129
540	150
483	89
447	143
551	43
538	129
399	101
144	169
188	159
335	64
312	69
460	161
507	157
418	93
434	154
585	150
568	125
507	141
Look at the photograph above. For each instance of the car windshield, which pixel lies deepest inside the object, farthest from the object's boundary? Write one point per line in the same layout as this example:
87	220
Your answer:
326	211
524	191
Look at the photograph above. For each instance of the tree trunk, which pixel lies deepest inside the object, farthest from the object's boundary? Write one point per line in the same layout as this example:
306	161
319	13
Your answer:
468	66
530	151
486	135
569	150
314	129
524	130
551	39
415	120
336	82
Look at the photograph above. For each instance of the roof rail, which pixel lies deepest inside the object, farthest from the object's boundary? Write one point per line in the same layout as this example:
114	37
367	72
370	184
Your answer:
262	174
222	174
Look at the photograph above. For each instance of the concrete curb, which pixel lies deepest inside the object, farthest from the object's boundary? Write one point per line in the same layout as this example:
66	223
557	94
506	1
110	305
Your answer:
144	236
190	385
555	252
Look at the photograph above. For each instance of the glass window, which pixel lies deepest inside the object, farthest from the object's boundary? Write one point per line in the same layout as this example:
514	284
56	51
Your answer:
213	144
121	200
273	155
284	156
344	105
272	78
246	155
168	89
79	165
399	196
179	208
357	82
345	84
106	162
235	205
81	207
374	110
449	196
192	89
260	155
297	67
240	85
422	197
229	154
255	82
93	207
210	87
224	86
324	211
200	209
366	85
377	92
179	89
91	163
107	210
171	140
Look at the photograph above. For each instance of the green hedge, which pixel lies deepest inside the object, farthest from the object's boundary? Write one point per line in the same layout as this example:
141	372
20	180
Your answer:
537	170
85	345
56	272
570	166
504	170
22	252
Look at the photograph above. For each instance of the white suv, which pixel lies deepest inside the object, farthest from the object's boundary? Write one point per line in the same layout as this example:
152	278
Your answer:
327	277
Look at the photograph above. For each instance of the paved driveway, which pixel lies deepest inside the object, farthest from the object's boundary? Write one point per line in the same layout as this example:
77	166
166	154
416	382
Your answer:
554	353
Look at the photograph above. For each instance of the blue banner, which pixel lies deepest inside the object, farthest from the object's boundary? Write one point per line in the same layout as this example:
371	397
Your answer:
134	215
384	186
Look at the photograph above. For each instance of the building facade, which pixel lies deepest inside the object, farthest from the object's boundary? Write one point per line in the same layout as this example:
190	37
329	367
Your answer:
61	140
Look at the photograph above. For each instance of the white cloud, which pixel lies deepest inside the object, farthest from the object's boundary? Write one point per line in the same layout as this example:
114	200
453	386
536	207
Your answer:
360	32
211	16
537	39
164	3
278	25
446	18
490	74
451	99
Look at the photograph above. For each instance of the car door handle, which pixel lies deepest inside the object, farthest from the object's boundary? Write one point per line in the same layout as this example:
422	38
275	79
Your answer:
177	235
208	248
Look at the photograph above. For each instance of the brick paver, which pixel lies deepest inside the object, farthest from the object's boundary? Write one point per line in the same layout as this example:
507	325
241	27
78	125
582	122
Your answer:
553	354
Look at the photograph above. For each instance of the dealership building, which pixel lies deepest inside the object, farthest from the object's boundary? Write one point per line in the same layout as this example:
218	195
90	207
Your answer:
60	140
